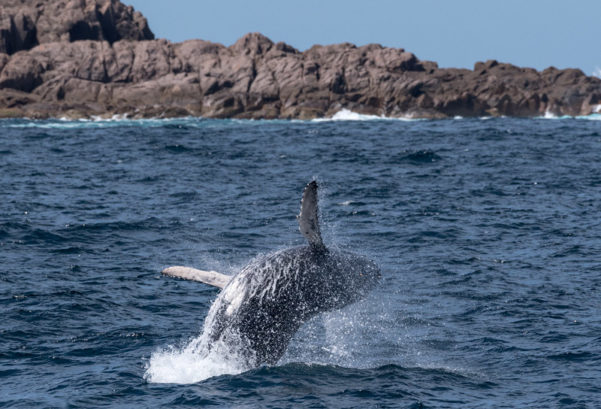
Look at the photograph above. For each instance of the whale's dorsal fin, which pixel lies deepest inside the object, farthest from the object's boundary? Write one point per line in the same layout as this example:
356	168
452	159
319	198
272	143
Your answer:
307	219
208	277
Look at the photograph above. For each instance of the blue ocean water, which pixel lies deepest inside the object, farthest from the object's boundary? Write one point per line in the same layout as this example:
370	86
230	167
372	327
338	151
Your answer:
488	233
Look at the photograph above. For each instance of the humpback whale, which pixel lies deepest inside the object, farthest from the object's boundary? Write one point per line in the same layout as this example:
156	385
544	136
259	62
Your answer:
260	309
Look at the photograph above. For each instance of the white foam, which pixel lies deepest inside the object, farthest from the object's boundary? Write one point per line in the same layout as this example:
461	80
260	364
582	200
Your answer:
595	116
100	122
192	363
115	117
348	115
550	115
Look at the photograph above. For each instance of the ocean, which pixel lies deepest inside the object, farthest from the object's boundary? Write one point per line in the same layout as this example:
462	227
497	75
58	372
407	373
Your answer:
487	232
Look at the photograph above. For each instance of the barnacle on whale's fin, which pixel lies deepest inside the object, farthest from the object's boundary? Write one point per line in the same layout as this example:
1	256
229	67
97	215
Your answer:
208	277
307	219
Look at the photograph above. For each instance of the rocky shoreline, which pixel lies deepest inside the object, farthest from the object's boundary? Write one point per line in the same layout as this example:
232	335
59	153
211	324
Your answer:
82	58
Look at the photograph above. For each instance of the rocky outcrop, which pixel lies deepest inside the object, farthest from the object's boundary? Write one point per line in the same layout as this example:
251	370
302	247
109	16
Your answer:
86	58
27	23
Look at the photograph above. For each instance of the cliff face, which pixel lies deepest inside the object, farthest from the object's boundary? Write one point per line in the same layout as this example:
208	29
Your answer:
26	23
95	57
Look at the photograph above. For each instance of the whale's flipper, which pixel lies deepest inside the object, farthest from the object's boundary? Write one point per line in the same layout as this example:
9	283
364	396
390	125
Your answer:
208	277
307	219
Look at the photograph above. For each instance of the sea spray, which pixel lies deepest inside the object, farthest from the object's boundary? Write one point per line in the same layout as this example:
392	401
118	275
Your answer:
194	362
348	115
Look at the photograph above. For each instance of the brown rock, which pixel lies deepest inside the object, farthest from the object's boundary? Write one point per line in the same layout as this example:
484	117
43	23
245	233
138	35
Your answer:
27	23
4	58
108	70
252	44
23	72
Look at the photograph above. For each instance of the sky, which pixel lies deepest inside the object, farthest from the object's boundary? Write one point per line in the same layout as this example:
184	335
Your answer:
454	33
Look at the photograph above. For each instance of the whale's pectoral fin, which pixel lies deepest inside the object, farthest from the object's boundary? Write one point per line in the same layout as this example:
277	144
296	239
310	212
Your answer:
307	219
208	277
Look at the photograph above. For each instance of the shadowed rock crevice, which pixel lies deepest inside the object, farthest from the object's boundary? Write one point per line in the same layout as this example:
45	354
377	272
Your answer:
17	32
99	57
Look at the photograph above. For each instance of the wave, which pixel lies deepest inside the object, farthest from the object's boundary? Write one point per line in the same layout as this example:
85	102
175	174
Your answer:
115	121
551	115
591	117
595	116
348	115
100	122
192	122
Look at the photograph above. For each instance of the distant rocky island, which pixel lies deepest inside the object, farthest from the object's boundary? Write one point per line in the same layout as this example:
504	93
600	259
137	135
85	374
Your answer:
80	58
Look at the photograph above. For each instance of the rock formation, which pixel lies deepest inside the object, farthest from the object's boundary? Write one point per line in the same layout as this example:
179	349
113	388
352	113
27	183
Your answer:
27	23
98	57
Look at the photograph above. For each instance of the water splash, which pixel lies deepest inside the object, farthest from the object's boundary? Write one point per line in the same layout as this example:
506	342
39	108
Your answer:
192	363
336	332
348	115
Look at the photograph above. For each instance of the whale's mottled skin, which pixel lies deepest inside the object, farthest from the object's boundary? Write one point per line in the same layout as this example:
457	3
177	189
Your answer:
262	307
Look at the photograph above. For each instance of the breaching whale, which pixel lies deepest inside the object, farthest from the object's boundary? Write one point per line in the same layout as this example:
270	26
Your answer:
260	309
